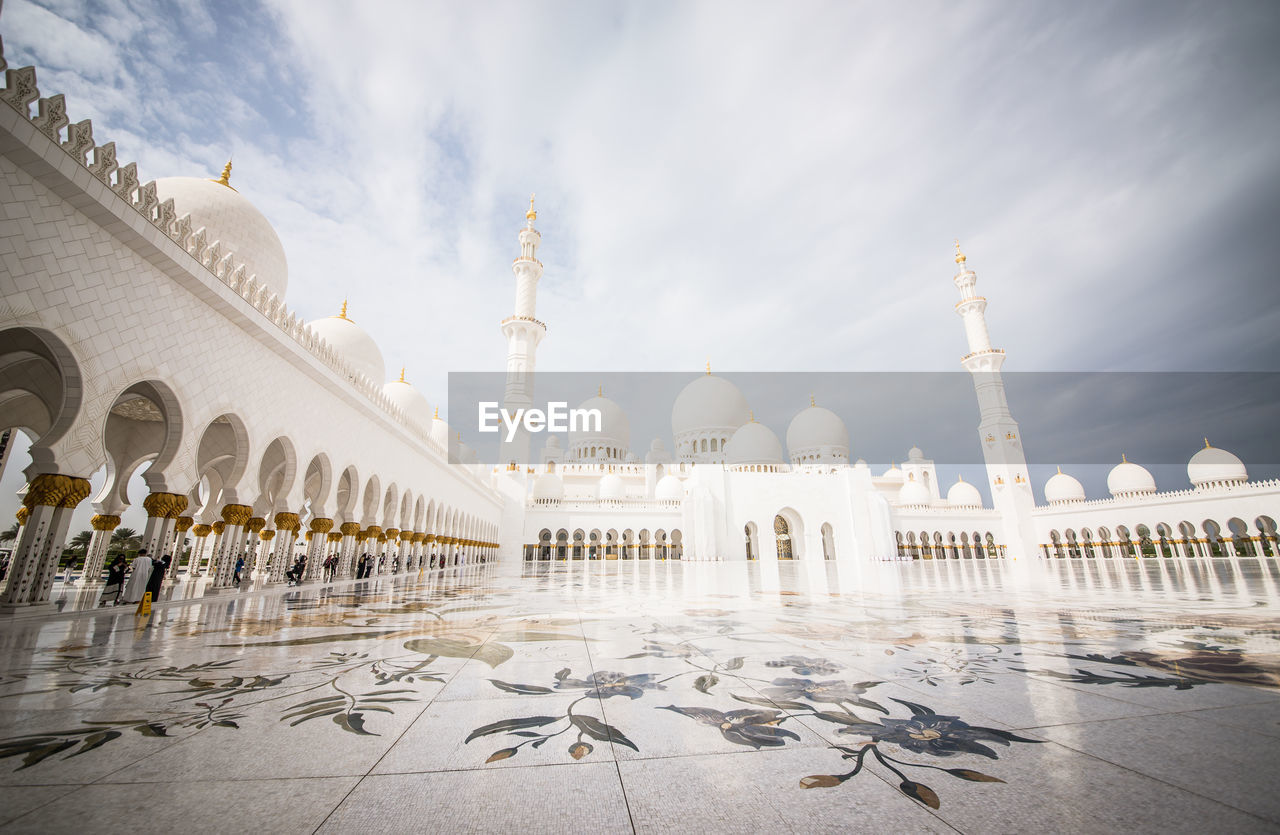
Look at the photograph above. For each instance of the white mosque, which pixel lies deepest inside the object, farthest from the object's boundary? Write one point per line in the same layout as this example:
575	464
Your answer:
146	322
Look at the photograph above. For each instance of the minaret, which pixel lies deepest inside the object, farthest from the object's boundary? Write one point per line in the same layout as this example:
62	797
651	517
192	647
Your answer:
523	333
998	431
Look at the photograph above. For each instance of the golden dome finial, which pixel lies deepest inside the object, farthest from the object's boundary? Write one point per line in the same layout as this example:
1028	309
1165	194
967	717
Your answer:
1123	460
437	415
342	314
599	391
812	401
960	477
1059	469
751	415
225	179
708	365
1206	444
960	259
531	214
402	379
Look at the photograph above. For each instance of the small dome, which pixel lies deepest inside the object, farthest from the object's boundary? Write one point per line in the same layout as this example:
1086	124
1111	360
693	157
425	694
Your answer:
548	486
893	472
707	403
615	429
669	489
1212	465
754	444
410	401
913	494
229	217
440	433
657	446
817	431
963	494
1063	488
611	488
1128	478
915	454
352	344
553	442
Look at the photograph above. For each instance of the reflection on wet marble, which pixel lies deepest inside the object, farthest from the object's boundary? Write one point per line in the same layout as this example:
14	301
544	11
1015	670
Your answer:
1076	695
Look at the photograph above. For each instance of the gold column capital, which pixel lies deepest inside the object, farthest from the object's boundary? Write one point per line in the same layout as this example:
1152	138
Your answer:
256	524
267	536
201	530
287	522
55	490
321	525
349	528
373	531
334	536
104	522
236	514
391	533
184	524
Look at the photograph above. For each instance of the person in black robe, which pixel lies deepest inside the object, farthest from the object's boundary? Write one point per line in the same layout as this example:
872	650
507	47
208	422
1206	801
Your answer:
157	578
115	581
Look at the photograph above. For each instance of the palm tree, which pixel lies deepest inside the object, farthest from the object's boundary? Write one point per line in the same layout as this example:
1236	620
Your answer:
122	539
10	533
80	542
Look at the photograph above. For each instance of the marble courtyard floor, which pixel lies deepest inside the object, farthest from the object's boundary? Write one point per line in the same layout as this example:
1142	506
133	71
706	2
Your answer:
1080	696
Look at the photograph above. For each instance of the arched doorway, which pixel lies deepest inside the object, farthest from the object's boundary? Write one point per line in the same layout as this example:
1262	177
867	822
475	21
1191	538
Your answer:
782	530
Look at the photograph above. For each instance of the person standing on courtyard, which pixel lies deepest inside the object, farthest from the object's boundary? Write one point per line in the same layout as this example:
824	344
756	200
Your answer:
139	576
156	580
235	579
115	582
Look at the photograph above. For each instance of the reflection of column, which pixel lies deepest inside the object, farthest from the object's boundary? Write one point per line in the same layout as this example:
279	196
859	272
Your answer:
49	502
96	556
380	561
287	524
428	549
315	547
334	550
347	554
235	516
371	535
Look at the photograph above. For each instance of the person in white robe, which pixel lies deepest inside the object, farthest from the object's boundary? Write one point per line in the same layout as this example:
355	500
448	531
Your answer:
139	574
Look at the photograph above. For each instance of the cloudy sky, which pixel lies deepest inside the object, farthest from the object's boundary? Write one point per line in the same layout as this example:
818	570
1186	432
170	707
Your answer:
773	186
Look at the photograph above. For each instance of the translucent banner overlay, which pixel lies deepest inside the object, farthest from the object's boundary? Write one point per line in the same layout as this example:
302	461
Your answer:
1082	422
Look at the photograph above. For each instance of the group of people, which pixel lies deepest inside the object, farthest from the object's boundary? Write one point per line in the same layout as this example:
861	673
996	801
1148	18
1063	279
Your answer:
145	575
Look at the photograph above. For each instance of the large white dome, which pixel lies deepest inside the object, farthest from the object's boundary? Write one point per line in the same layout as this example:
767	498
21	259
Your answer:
352	344
229	217
1063	488
913	494
1126	478
611	488
754	445
708	403
817	431
1212	465
963	494
410	401
615	429
669	489
548	487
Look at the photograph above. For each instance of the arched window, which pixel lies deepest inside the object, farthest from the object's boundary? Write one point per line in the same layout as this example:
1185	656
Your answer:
714	444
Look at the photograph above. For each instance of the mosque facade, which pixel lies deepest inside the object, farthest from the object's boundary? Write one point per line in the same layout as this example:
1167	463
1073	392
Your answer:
146	321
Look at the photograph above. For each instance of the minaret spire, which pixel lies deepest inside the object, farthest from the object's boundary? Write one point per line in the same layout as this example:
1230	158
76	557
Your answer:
998	432
523	333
